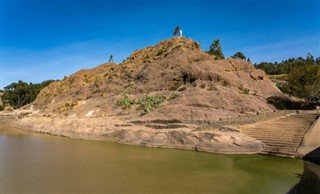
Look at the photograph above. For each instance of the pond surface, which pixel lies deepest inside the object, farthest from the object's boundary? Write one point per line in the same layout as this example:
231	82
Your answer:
39	163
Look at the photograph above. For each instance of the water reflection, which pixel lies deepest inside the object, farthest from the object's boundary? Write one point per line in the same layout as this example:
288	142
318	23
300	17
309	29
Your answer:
39	163
11	131
309	181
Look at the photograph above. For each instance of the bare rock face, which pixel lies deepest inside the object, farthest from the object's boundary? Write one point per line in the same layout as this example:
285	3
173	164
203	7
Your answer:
206	88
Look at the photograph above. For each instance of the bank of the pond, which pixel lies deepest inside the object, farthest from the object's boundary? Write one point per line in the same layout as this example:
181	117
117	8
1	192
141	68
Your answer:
39	163
228	140
272	136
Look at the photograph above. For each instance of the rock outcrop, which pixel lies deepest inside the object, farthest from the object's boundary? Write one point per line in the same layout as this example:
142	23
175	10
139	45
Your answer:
207	88
194	88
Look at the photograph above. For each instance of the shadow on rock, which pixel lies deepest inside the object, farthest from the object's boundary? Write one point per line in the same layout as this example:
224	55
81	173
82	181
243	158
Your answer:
284	103
313	156
310	180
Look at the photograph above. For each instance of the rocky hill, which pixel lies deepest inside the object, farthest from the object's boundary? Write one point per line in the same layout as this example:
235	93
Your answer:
193	85
170	95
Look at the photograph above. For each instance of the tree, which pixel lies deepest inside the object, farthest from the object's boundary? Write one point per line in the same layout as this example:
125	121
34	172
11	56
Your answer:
248	60
286	66
239	55
317	61
22	93
110	59
310	58
215	49
16	94
176	31
304	82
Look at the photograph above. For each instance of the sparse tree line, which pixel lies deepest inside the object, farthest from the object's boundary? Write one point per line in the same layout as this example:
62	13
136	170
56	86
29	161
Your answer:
301	76
286	66
216	50
19	94
303	82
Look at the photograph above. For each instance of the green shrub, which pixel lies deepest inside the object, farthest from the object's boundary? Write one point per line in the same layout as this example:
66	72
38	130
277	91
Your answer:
246	91
160	52
149	103
174	85
174	96
1	107
125	102
70	105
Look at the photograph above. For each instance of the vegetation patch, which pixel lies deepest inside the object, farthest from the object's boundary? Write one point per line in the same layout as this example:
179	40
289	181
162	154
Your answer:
85	78
175	85
182	88
244	90
174	96
160	52
149	103
304	82
70	105
145	104
288	65
22	93
216	50
203	85
125	102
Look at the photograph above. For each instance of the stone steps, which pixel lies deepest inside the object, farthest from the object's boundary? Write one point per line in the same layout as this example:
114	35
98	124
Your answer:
279	142
281	136
278	134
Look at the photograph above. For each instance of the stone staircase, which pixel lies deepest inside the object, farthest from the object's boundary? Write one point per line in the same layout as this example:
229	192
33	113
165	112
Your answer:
282	136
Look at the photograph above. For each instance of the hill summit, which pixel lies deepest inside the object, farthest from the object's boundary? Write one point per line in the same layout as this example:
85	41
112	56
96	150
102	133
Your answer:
192	87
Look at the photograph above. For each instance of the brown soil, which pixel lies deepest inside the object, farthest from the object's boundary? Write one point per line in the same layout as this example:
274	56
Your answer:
207	89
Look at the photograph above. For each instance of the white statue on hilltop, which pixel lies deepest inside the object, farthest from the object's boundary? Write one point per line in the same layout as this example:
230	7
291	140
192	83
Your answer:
180	32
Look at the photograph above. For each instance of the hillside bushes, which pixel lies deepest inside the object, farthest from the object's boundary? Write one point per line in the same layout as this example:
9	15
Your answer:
22	93
304	82
145	104
149	103
300	77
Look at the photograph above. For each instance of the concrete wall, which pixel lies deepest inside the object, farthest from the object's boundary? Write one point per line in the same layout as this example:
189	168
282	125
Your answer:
310	147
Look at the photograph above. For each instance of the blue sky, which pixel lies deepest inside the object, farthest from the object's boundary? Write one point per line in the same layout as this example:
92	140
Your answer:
50	39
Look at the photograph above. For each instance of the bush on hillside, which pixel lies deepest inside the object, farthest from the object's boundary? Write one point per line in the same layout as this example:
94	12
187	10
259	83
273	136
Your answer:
149	103
125	102
22	93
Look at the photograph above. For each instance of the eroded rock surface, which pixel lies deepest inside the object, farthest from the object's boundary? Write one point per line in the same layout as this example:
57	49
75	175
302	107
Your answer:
197	90
216	141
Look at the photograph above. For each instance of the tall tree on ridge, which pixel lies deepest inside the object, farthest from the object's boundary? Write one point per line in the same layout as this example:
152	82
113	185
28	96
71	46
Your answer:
239	55
176	31
215	49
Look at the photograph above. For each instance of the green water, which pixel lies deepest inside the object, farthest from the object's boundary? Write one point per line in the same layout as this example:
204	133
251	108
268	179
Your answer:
38	163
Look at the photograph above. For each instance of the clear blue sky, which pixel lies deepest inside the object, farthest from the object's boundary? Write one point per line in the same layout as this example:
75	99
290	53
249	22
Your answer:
50	39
